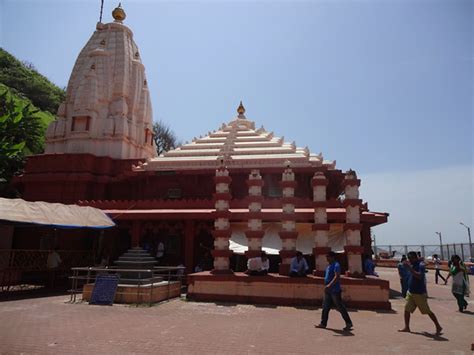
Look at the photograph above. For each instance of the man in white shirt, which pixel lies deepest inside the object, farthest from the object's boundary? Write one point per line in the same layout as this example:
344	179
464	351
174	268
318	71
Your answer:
52	264
160	252
53	260
437	264
258	266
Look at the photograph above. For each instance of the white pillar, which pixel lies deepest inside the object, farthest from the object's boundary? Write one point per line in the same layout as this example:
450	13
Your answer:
353	227
222	232
254	231
320	226
288	233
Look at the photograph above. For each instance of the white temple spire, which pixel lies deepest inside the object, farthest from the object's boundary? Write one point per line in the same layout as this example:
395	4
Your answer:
107	111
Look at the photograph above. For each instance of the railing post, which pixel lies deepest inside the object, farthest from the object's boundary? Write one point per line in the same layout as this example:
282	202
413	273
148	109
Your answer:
462	251
169	277
423	251
406	250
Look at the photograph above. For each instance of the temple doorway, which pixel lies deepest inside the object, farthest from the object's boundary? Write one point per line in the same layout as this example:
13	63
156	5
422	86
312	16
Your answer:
203	244
165	242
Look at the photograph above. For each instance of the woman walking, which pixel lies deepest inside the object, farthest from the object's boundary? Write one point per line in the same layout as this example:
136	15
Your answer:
460	284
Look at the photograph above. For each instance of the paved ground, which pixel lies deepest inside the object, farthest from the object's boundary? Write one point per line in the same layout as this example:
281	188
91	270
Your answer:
49	325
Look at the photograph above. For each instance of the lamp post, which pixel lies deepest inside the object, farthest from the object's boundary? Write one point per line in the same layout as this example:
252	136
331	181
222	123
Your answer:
470	241
440	244
375	246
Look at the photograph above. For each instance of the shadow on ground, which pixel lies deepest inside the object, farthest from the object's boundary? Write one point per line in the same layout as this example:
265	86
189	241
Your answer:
431	336
31	293
395	294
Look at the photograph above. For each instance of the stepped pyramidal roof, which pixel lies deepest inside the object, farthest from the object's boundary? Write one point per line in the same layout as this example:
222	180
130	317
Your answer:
240	145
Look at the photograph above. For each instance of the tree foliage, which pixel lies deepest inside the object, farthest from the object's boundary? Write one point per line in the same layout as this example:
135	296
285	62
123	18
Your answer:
25	80
164	137
21	133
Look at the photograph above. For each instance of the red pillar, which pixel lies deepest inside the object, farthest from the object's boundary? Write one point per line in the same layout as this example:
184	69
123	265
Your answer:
189	232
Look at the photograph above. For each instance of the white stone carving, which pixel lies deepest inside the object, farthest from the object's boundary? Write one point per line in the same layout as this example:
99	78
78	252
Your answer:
255	244
255	206
352	214
222	187
222	224
321	262
288	175
255	190
221	243
288	244
319	193
255	224
222	205
288	192
353	237
354	263
288	208
221	263
352	192
321	238
255	175
288	226
320	215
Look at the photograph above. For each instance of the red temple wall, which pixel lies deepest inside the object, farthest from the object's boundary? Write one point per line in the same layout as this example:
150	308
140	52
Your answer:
68	178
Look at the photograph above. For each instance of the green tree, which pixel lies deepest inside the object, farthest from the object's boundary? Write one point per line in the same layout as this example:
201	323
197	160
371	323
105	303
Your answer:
24	79
164	137
21	134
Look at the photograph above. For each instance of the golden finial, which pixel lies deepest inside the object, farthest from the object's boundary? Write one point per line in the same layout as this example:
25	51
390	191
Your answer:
241	109
118	14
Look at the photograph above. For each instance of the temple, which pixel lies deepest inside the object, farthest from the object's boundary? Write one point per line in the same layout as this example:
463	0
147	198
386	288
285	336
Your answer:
233	191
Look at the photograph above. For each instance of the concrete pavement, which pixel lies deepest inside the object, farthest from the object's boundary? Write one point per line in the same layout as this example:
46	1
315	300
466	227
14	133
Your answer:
52	326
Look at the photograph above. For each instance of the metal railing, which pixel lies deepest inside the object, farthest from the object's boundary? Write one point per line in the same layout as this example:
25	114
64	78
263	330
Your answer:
148	279
23	269
444	251
35	260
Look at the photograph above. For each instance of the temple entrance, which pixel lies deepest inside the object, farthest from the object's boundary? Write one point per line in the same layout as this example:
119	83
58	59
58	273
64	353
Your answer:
164	241
203	244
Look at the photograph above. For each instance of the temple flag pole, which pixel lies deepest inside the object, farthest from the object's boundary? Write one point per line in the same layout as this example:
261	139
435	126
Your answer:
101	10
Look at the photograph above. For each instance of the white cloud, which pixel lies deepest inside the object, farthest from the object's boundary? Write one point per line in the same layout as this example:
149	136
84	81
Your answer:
421	203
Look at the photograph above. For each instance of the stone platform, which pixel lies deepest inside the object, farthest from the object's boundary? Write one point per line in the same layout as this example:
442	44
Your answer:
274	289
144	294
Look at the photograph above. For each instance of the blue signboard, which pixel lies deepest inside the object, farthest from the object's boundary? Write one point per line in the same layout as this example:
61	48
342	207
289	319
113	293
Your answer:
104	289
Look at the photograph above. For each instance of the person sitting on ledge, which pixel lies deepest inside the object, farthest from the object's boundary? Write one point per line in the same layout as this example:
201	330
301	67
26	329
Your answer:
369	266
258	266
298	266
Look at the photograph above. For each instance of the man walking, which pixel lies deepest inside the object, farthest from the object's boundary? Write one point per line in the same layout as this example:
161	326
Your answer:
332	293
404	274
416	296
437	264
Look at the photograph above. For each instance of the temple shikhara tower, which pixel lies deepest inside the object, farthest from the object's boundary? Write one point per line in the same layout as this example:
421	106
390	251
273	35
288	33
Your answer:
107	111
212	202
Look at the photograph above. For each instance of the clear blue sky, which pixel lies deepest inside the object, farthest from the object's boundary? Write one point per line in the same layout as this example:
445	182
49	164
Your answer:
383	87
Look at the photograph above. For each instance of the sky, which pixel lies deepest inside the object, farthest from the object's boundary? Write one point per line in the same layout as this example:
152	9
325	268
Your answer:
382	87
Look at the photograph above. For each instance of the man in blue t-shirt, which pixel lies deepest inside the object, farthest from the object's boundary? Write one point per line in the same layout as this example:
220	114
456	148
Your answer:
416	295
332	293
404	275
